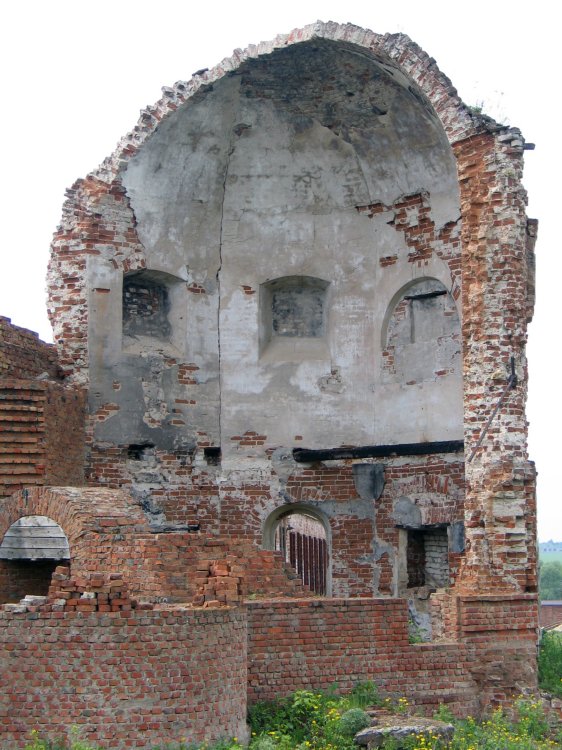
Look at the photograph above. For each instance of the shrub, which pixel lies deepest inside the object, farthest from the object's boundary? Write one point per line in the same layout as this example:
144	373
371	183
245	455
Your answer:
353	721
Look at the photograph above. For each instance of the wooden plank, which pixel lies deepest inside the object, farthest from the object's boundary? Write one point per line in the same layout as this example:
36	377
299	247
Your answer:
306	455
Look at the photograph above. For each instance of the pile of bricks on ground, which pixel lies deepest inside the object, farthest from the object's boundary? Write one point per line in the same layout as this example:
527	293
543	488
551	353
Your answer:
91	592
219	583
250	572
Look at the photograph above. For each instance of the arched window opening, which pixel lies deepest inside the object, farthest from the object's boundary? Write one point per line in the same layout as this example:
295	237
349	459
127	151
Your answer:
30	551
302	540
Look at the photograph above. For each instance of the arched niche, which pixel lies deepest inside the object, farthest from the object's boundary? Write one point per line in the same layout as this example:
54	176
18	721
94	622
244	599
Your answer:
421	336
420	387
31	549
302	535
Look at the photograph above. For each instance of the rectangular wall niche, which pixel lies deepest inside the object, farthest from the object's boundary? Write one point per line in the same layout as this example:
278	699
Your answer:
145	306
293	316
427	557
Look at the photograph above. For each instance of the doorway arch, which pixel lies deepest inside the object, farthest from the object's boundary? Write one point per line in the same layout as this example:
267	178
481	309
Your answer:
30	550
301	533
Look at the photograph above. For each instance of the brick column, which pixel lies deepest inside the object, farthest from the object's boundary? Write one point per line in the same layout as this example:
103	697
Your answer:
500	513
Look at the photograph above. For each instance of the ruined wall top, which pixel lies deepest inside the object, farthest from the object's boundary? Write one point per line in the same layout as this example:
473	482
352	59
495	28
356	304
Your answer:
395	51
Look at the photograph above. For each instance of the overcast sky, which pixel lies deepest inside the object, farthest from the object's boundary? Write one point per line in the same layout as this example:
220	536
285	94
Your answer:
74	75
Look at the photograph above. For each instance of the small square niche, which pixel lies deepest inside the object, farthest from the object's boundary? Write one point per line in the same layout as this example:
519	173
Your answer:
293	318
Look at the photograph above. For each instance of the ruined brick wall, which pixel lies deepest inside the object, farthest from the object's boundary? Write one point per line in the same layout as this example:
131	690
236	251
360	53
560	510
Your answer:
314	645
240	508
41	434
550	613
501	634
108	533
125	679
500	505
193	373
42	421
24	355
304	645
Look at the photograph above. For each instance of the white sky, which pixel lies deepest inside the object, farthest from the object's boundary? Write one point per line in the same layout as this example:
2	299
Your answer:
74	75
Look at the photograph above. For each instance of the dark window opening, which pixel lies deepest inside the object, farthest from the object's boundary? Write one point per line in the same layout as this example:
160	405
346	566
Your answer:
212	455
30	551
139	451
427	557
19	578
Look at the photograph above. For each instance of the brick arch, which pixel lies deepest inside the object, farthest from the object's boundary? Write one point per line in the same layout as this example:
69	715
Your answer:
76	510
398	51
305	509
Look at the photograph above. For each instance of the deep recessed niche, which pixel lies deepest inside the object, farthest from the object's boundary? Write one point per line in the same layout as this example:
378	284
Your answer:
154	314
145	306
294	308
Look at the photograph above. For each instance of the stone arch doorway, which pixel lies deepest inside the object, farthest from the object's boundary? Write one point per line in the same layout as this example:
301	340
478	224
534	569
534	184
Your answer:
30	550
302	535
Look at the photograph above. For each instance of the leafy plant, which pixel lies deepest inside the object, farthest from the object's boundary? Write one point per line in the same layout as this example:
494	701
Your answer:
550	663
364	694
353	721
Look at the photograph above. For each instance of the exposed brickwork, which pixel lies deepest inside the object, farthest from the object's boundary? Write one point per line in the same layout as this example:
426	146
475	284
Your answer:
317	644
97	221
41	434
108	533
314	644
24	355
125	679
500	503
411	215
550	614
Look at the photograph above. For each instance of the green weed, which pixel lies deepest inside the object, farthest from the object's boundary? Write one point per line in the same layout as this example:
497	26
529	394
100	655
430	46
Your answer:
550	663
